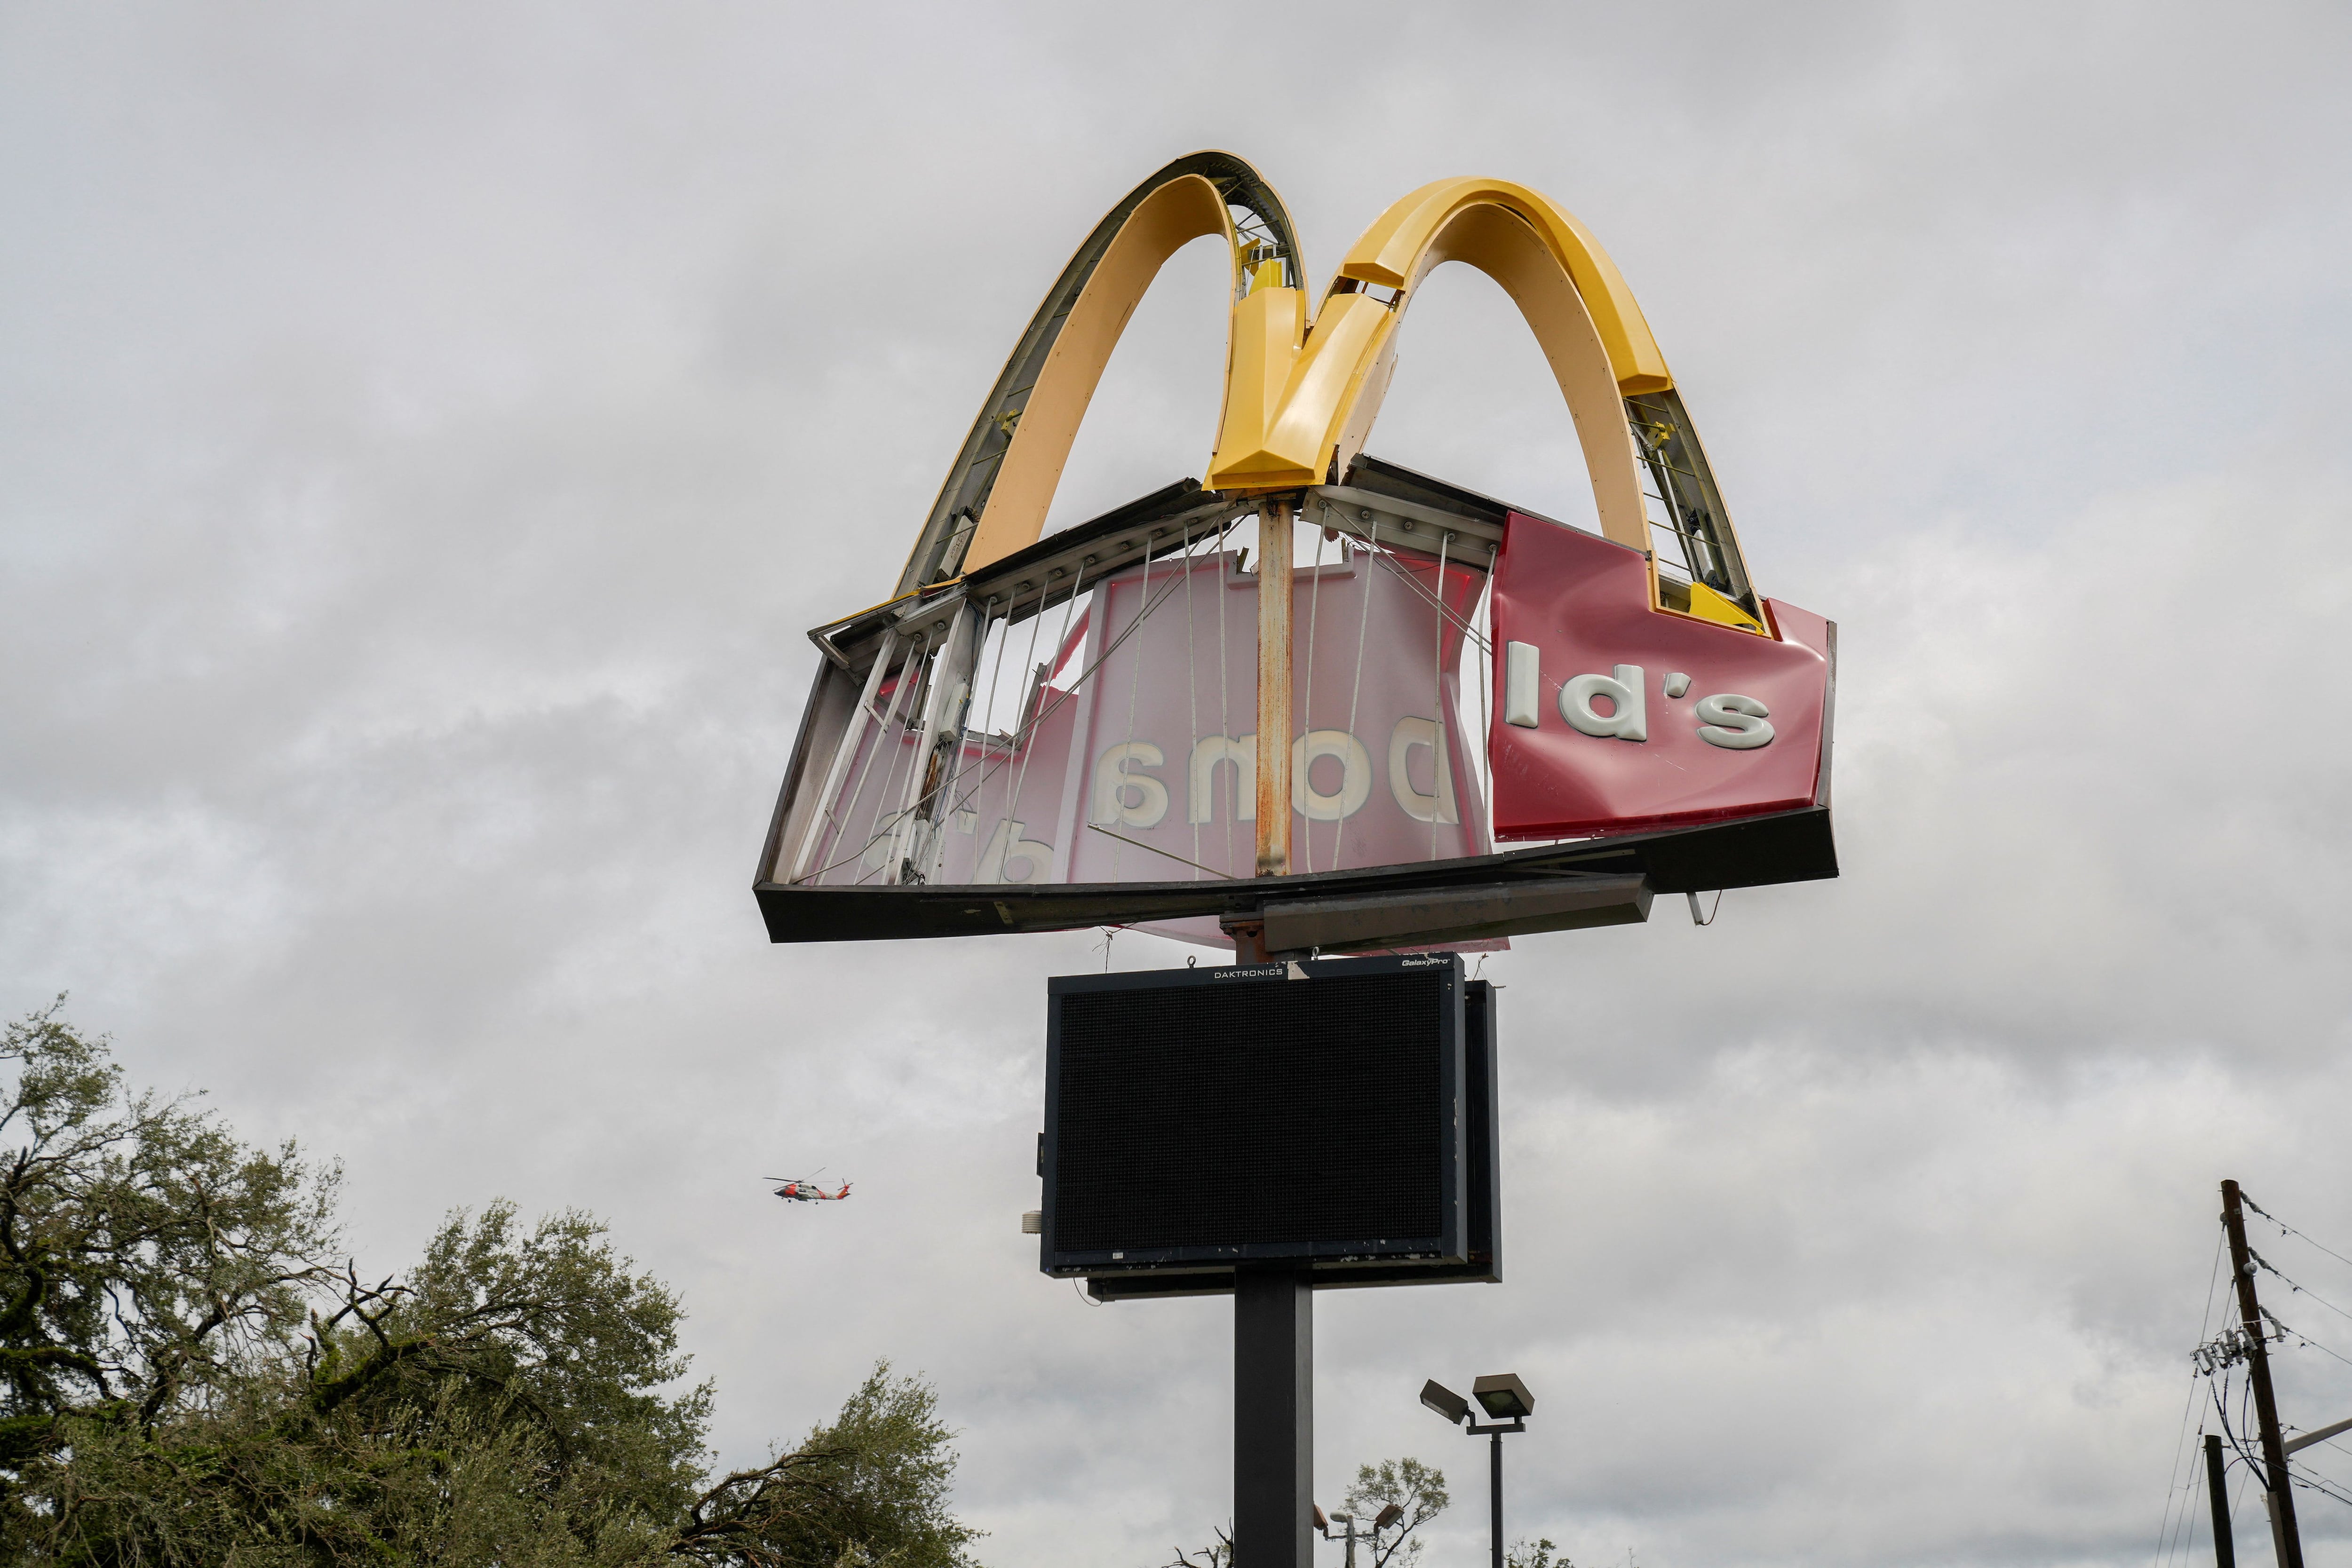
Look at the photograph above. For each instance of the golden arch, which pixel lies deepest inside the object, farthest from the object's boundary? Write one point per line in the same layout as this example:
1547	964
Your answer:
1584	317
1301	393
997	493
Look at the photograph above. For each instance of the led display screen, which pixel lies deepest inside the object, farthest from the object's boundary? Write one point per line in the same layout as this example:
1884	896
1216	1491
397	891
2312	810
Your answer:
1307	1111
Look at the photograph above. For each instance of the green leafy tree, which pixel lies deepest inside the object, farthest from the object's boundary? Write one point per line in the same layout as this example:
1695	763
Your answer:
1415	1490
146	1256
186	1377
1537	1554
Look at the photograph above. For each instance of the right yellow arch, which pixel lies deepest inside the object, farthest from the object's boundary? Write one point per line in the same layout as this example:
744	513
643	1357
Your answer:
1300	399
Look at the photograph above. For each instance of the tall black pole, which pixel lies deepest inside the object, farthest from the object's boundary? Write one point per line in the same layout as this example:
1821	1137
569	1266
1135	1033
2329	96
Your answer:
2285	1537
2225	1550
1274	1418
1495	1489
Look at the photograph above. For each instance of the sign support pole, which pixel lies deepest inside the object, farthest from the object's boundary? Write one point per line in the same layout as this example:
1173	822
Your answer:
1273	689
1273	1309
1274	1418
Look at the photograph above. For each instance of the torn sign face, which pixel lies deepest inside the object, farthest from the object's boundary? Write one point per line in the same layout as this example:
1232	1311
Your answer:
1616	714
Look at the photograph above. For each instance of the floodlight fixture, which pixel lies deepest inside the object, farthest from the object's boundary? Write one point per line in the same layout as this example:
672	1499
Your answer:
1508	1405
1503	1397
1388	1516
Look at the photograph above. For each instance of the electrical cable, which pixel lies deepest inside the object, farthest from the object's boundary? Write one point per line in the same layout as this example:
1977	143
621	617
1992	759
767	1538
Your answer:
1134	689
909	677
1044	711
1437	764
1225	695
1306	709
1386	555
2290	1230
1192	688
1356	693
2300	1288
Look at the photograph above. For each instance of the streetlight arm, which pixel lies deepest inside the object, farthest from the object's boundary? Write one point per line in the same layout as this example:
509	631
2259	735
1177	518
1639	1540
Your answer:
2308	1438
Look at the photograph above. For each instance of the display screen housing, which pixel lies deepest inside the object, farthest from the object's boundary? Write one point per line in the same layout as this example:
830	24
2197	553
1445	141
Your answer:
1311	1111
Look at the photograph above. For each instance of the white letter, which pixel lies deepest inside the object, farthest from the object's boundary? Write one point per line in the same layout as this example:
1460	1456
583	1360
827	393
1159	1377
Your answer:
1355	775
1207	752
1007	847
1407	734
1112	781
1733	722
1520	685
1627	723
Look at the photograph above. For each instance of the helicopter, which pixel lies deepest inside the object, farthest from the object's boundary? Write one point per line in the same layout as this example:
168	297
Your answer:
804	1189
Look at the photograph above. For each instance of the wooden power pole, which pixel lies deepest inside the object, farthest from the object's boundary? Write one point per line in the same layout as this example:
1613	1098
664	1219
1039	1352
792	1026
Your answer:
2225	1548
2284	1536
1273	689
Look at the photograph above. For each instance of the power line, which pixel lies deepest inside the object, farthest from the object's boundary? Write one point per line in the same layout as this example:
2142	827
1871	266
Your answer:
2302	1289
2290	1230
2172	1487
2304	1340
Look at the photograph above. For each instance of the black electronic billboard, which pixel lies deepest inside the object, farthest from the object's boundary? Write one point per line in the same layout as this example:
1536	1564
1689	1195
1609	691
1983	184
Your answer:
1333	1114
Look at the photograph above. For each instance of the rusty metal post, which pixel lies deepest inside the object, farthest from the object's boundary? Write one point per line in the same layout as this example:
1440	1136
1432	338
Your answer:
1273	689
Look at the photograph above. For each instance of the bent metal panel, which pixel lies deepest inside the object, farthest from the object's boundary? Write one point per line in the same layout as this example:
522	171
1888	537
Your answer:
1046	731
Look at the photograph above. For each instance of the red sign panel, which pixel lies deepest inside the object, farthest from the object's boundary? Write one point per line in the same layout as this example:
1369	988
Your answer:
1611	715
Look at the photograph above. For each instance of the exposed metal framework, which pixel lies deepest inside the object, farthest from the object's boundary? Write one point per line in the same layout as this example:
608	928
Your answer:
1302	389
1688	522
1547	887
1266	253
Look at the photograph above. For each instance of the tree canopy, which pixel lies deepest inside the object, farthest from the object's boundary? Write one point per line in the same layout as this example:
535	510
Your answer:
193	1373
1418	1493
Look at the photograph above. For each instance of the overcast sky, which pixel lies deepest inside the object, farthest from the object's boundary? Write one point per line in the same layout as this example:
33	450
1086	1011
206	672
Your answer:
427	433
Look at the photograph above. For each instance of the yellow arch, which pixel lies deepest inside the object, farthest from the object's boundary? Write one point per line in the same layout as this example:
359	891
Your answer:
996	496
1171	217
1294	409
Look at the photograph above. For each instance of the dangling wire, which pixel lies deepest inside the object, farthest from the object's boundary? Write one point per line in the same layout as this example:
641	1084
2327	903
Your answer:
1191	696
1135	678
1070	611
943	816
1437	768
1224	716
1020	724
1486	702
1363	622
1306	714
908	678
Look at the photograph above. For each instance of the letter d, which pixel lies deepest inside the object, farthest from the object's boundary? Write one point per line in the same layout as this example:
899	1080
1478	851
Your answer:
1626	722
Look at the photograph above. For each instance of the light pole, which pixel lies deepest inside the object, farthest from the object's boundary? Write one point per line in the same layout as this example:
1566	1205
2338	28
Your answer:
1385	1518
1501	1395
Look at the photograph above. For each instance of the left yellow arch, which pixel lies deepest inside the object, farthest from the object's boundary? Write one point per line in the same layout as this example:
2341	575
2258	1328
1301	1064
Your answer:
1003	481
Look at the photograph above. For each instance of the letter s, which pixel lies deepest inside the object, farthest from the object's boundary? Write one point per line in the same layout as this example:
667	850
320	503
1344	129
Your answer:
1733	722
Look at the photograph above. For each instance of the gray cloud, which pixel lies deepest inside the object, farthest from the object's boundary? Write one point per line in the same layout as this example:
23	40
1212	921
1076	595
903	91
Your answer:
427	436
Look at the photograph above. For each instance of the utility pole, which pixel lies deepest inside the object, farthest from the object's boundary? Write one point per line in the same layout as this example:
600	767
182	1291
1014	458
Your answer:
1273	689
2284	1536
2225	1550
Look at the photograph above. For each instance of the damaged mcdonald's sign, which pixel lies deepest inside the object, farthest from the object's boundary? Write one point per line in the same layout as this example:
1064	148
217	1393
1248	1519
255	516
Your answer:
1311	697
